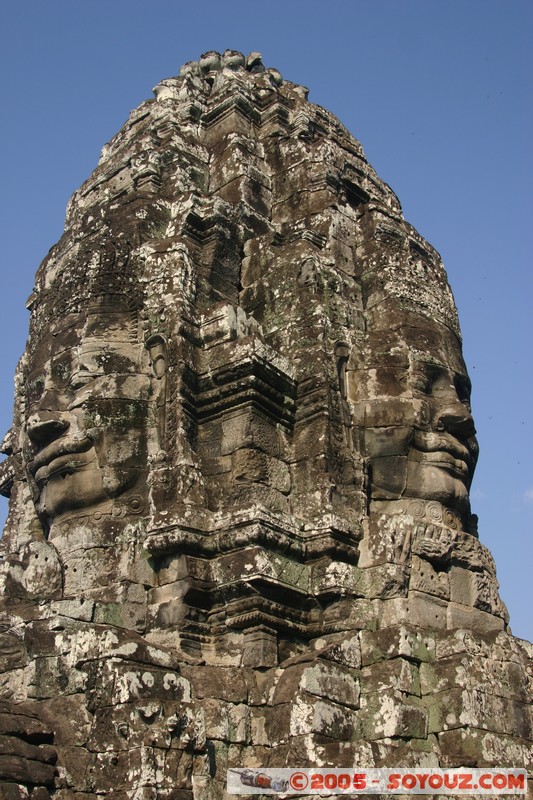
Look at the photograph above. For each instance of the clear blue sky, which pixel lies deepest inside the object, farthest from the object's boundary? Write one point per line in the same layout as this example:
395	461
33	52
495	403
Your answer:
439	94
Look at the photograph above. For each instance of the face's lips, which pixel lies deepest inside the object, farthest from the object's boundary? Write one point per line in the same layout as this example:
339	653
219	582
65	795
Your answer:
456	467
66	446
63	466
430	442
445	451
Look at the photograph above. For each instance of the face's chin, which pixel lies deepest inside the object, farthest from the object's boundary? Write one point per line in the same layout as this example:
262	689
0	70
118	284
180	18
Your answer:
439	480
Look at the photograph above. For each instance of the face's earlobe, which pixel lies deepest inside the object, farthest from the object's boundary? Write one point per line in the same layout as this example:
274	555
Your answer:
157	349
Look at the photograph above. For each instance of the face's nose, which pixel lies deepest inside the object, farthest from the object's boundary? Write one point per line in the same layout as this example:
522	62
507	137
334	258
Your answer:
45	426
456	419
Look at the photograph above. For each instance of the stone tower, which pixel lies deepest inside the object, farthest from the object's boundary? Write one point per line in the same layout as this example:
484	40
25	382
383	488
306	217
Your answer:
240	532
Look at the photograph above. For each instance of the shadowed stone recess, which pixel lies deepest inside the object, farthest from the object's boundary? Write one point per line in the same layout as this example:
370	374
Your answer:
240	532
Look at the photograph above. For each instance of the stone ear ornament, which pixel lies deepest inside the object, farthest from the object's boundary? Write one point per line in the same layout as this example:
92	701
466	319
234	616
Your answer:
342	354
157	349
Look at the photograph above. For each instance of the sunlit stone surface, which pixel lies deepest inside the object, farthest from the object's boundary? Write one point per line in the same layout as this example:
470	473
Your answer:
239	468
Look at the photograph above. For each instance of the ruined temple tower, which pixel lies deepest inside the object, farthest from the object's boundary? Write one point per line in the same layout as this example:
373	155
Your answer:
240	532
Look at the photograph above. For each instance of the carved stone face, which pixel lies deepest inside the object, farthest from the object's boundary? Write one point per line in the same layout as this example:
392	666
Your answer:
87	391
412	402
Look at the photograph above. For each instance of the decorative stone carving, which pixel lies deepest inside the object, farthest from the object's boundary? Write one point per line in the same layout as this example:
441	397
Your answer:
240	531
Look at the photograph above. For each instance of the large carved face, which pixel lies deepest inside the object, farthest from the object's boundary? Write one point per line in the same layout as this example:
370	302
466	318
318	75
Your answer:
86	421
412	403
